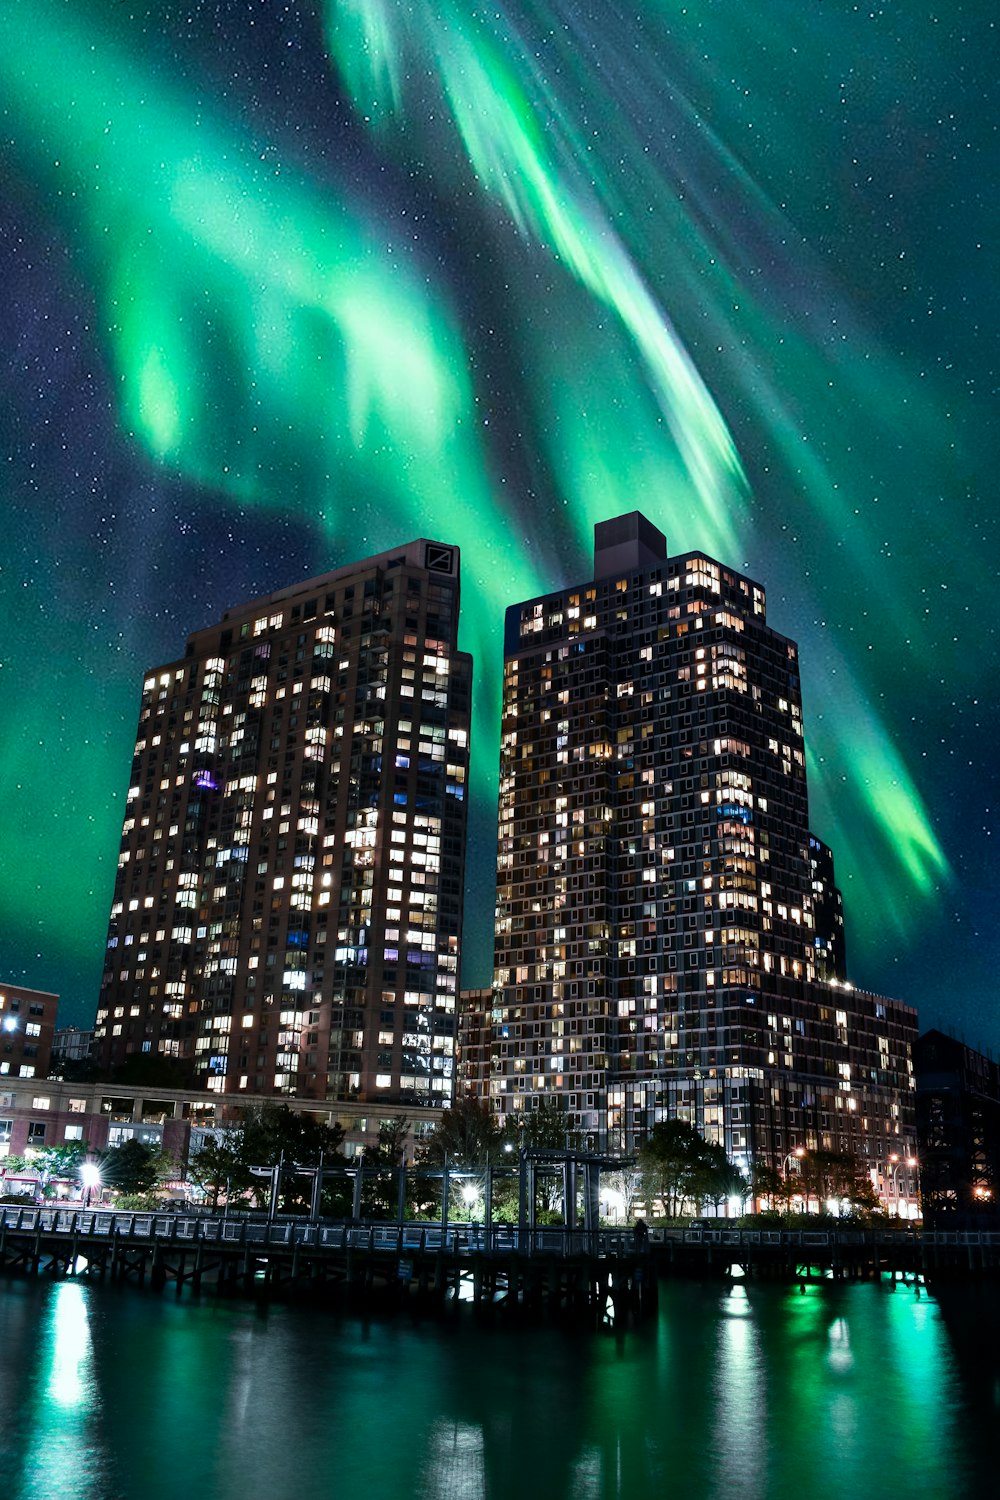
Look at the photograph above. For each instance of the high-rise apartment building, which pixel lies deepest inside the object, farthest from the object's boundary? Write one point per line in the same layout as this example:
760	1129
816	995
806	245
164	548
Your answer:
287	915
958	1132
669	940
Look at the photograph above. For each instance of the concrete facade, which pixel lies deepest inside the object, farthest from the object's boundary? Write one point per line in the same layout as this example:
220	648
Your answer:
288	910
669	936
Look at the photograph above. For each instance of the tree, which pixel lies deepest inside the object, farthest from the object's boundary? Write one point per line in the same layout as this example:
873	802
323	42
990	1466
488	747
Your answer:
14	1166
624	1183
77	1070
768	1182
837	1176
133	1168
391	1146
547	1127
382	1161
468	1136
668	1162
265	1136
722	1180
864	1199
218	1168
61	1162
152	1070
678	1166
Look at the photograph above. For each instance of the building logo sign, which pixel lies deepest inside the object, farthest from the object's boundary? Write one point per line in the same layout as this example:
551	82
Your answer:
438	559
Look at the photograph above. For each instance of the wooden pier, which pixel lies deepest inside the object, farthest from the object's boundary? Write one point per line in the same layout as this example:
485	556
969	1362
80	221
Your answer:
841	1254
600	1275
596	1274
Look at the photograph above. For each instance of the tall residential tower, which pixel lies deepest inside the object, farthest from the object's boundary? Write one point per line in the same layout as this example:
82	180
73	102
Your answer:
288	911
668	937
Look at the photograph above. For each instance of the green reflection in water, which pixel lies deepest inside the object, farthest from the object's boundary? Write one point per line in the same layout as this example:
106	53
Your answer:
63	1457
756	1392
862	1372
739	1433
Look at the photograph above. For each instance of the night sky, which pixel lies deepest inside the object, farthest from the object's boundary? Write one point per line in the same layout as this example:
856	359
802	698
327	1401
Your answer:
282	285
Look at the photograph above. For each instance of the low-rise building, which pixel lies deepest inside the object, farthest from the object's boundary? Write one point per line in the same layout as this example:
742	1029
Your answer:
39	1114
27	1023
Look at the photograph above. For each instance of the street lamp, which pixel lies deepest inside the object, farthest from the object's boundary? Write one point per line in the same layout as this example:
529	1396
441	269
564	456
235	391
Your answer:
799	1152
90	1176
895	1162
469	1195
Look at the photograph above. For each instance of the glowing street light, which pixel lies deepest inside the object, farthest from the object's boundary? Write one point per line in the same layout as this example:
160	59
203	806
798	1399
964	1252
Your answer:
90	1176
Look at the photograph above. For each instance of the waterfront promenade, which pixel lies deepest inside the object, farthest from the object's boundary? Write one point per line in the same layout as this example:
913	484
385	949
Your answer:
550	1268
533	1268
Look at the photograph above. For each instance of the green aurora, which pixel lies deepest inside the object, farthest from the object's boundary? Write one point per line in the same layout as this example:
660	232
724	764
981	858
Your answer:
291	285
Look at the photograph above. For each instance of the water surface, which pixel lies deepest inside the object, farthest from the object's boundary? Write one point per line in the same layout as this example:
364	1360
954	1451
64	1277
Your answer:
757	1392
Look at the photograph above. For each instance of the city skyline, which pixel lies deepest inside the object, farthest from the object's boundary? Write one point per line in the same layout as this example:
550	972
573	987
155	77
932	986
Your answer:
282	295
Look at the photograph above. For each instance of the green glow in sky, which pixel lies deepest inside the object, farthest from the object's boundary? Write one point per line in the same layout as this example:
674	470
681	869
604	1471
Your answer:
491	276
534	168
529	157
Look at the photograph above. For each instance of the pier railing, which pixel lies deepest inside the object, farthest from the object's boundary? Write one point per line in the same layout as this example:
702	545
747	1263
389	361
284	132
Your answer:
410	1236
821	1238
414	1236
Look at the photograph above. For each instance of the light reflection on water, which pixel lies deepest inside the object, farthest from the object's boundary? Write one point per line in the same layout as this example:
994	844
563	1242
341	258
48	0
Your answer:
739	1437
65	1400
455	1462
755	1391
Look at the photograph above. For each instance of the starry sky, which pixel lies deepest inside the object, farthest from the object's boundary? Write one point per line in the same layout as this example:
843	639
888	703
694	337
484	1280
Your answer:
282	285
